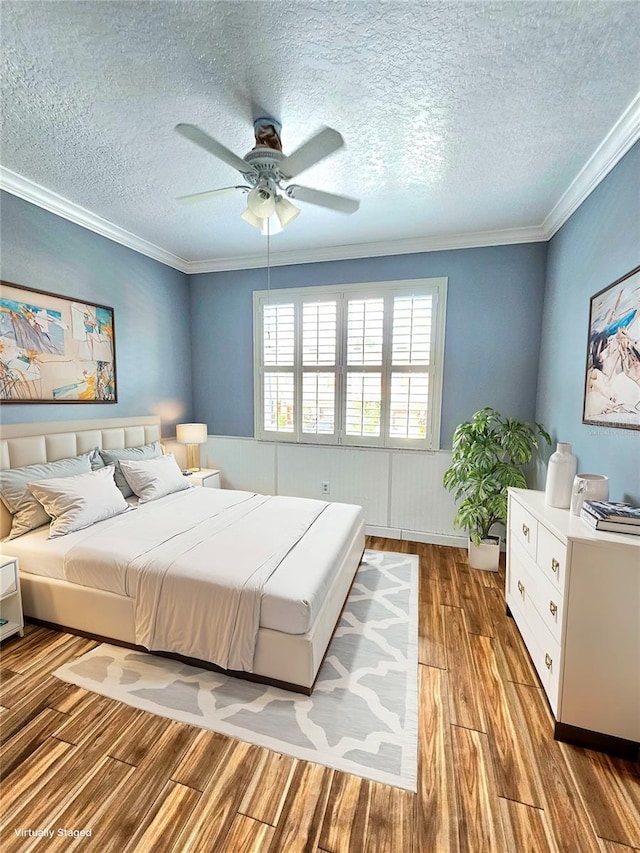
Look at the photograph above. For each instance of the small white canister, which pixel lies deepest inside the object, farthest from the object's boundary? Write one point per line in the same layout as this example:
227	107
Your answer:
588	487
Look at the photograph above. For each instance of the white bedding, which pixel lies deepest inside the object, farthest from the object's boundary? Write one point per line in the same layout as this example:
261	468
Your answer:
291	597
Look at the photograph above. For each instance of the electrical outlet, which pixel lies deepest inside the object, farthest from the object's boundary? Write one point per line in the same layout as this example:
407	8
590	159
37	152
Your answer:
325	487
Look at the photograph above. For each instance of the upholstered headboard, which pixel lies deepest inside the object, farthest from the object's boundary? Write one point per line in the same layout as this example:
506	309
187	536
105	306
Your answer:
27	444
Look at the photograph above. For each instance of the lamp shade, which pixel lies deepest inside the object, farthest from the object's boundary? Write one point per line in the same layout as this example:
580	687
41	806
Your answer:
191	433
269	225
285	211
249	217
261	202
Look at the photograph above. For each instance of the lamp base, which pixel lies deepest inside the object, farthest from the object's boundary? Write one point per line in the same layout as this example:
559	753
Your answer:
193	458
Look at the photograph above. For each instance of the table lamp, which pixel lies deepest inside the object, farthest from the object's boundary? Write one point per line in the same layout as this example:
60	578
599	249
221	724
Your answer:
192	435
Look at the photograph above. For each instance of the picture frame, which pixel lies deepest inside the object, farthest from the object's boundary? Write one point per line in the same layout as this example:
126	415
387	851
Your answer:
612	376
55	349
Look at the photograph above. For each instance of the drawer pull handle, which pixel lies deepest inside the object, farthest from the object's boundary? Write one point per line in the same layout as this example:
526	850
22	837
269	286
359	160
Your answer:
548	661
521	588
555	565
525	530
553	608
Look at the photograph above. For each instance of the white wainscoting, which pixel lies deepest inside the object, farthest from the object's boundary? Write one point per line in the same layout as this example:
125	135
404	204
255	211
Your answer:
401	491
243	462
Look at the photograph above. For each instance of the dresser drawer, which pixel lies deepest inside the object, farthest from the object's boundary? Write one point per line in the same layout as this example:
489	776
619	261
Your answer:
552	557
522	581
538	589
523	527
8	579
543	650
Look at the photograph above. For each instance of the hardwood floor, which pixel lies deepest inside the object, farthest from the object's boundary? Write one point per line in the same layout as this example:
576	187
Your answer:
490	776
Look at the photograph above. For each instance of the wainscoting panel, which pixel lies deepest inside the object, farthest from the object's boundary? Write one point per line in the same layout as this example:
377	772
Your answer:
357	476
418	500
401	491
244	463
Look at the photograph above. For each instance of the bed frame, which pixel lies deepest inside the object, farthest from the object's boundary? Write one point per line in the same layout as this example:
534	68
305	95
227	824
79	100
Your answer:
287	660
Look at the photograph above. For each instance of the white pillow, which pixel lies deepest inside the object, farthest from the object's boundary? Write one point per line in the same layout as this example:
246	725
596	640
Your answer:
26	510
79	501
154	478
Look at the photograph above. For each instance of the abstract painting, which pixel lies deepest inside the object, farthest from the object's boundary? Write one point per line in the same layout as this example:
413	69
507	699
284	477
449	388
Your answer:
612	382
54	349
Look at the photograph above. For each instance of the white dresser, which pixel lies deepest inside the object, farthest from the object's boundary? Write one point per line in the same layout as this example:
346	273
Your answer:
575	596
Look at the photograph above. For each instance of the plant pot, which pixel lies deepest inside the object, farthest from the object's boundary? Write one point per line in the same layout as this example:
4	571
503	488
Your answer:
486	555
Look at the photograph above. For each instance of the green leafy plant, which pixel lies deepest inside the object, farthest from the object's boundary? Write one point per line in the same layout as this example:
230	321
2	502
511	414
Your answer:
487	454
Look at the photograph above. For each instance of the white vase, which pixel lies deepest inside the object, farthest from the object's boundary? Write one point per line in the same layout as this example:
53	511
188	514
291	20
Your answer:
588	487
560	473
486	555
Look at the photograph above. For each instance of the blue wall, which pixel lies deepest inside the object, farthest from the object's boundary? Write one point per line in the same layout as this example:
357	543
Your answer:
150	300
509	329
494	310
597	245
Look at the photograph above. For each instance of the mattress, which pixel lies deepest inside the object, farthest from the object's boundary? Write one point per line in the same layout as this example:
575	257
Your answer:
293	595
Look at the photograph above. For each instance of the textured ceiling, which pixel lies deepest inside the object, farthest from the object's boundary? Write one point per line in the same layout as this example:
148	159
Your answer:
457	117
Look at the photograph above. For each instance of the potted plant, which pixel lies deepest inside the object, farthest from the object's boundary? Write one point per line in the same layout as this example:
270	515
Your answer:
487	454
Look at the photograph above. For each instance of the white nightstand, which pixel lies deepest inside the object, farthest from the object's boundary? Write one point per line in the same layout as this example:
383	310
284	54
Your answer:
10	599
209	478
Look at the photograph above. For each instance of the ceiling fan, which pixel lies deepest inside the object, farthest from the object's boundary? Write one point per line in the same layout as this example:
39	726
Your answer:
266	171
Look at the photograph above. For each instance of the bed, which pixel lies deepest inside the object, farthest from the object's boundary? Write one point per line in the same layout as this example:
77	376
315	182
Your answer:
100	581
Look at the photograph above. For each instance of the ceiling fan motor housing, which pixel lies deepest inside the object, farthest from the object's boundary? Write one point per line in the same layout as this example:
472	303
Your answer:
266	162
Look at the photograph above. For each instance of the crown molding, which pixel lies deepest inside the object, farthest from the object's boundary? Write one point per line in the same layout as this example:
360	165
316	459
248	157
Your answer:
622	136
472	240
28	190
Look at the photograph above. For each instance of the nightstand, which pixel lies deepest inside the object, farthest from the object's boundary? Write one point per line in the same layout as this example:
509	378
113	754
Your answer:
209	478
10	599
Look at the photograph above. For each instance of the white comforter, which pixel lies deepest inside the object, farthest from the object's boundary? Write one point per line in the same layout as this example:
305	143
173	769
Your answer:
196	567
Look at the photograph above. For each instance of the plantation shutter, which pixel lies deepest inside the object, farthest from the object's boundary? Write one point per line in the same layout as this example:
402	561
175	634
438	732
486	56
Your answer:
363	391
410	361
357	365
319	369
279	374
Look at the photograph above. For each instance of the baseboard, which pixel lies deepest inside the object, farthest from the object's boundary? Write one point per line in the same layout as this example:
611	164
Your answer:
387	532
416	536
434	538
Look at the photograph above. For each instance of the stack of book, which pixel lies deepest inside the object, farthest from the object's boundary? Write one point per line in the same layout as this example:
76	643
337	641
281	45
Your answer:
614	517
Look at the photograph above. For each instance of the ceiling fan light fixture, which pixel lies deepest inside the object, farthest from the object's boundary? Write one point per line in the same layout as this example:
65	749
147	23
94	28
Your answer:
285	211
265	169
252	219
269	225
261	201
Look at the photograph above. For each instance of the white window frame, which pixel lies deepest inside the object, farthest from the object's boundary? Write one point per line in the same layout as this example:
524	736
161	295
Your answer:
435	287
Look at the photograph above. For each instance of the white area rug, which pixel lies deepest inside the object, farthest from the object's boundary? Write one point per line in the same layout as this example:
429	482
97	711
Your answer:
362	715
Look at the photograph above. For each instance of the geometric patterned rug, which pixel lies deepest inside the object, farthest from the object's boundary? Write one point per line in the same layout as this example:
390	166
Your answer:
362	715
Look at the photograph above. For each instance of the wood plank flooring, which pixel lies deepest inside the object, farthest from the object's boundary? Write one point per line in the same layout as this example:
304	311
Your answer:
490	776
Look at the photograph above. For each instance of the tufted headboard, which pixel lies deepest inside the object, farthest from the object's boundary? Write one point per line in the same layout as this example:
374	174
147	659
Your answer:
27	444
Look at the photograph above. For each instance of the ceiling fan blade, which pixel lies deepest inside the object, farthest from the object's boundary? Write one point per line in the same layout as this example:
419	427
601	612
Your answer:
311	152
199	137
335	202
195	197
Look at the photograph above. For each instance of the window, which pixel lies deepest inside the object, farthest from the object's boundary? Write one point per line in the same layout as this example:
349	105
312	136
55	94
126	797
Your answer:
359	364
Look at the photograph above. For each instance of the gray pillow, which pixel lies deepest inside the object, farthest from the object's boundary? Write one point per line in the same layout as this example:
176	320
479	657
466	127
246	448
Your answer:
130	454
96	459
28	513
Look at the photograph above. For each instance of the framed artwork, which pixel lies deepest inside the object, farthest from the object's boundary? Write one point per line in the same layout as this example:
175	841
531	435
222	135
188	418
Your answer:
54	349
612	381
